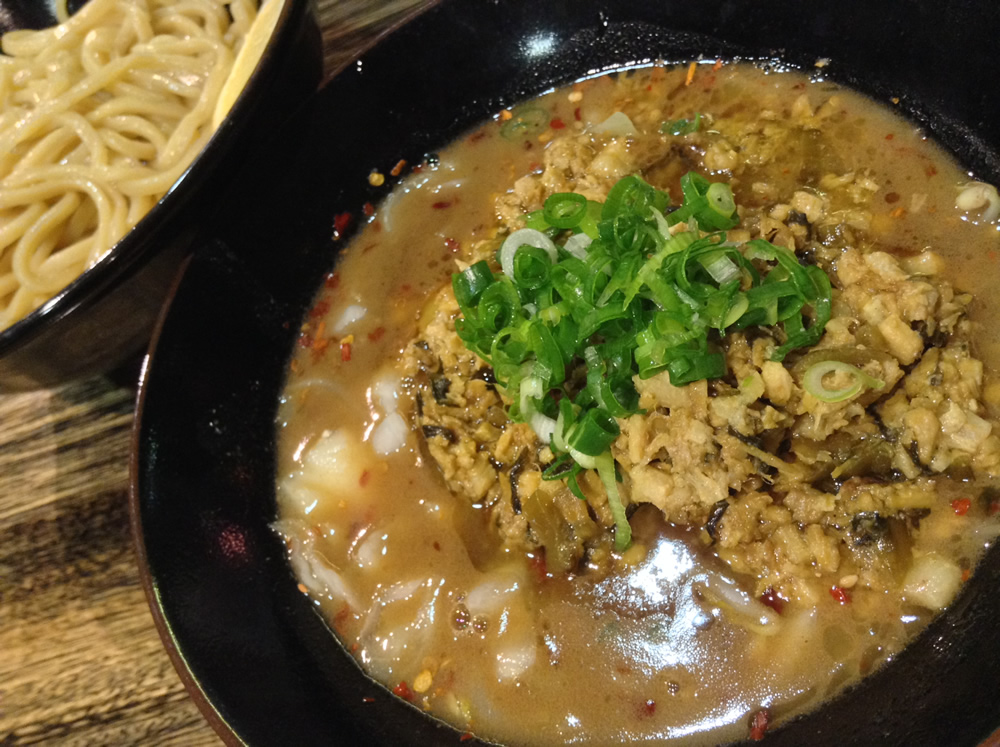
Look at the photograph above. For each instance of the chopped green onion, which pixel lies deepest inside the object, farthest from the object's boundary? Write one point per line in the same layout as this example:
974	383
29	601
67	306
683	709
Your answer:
812	381
682	126
711	205
524	237
532	267
525	122
594	433
470	284
721	268
630	289
577	245
720	198
606	471
564	209
498	306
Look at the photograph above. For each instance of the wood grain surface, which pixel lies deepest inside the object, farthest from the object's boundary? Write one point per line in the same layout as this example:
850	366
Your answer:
80	660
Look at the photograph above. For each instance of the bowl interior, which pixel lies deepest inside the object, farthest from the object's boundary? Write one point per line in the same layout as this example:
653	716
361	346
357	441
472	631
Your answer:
203	464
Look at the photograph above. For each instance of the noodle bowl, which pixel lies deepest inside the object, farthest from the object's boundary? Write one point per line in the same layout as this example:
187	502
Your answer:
99	117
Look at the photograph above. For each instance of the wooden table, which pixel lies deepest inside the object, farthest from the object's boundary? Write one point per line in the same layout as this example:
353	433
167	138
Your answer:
80	660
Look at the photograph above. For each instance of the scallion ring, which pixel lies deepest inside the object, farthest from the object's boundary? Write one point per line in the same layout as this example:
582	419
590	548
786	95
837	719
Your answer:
564	209
812	381
577	245
720	199
470	283
524	237
525	121
531	268
594	433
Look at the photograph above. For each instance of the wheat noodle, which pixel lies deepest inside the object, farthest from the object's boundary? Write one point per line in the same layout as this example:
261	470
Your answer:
99	116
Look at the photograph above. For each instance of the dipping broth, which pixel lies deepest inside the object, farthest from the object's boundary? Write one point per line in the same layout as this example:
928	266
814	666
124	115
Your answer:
782	546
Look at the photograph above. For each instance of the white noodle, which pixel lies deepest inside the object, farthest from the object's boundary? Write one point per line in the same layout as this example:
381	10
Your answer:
99	116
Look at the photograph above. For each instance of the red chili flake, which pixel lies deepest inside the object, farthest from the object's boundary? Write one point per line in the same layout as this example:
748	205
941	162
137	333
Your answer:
441	205
994	508
649	708
966	574
453	244
466	737
557	124
319	309
368	209
340	223
771	599
577	115
403	690
758	726
405	288
535	167
890	136
376	334
305	341
841	596
892	197
537	563
398	168
476	137
368	700
341	617
365	477
961	506
319	345
649	87
930	170
345	351
332	280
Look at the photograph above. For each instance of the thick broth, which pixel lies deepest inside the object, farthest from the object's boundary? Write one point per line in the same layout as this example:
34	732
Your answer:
409	576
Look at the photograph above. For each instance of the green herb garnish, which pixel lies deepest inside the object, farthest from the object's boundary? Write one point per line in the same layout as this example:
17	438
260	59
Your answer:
813	382
525	122
682	126
591	295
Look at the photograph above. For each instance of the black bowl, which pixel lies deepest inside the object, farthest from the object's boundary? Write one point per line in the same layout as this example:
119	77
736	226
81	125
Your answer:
258	659
108	313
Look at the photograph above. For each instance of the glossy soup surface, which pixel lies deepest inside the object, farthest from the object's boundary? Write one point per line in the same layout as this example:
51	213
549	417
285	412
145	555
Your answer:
487	638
